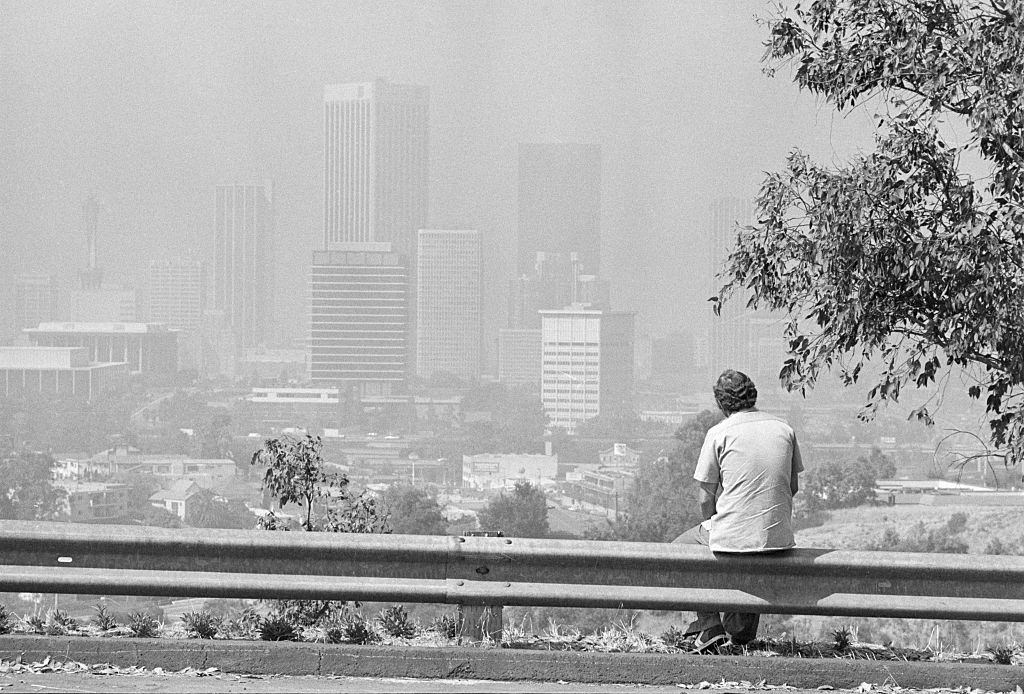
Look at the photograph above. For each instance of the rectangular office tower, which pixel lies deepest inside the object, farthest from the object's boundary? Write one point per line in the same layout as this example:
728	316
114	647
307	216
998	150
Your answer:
241	259
375	163
448	303
587	364
174	294
559	203
35	300
360	319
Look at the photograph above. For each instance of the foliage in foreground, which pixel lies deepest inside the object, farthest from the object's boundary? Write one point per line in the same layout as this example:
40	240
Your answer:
899	260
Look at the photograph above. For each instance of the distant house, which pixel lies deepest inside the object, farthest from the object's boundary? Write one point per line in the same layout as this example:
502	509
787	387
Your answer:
95	502
120	460
176	498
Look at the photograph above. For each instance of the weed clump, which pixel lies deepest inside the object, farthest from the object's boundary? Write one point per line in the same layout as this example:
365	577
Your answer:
1003	655
841	639
103	620
277	629
673	637
143	625
395	621
59	623
200	624
446	625
5	620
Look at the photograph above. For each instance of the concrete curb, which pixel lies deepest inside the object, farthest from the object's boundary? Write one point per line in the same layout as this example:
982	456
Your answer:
285	658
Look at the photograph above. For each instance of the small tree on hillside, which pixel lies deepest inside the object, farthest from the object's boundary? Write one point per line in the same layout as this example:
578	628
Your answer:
523	513
838	484
26	492
207	510
413	511
295	474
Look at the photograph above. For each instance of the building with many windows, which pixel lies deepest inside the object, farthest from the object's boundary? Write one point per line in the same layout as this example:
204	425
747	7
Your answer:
242	266
375	163
359	322
448	303
173	294
587	364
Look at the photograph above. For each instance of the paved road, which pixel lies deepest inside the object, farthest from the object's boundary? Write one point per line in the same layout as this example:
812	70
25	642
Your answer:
149	682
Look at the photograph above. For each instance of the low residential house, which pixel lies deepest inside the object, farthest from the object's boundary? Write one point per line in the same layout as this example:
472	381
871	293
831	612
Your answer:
176	498
95	502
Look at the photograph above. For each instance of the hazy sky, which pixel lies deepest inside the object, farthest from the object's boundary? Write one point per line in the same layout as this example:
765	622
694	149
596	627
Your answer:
148	105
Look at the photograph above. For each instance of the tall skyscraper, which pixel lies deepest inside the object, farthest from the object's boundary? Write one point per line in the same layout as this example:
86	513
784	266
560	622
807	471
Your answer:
375	163
559	203
35	300
173	294
360	318
587	364
241	259
448	303
741	339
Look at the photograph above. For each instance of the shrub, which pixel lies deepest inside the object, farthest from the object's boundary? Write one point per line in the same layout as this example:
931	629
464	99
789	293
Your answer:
246	625
1003	655
356	630
59	623
35	624
200	625
841	638
277	629
143	625
446	625
5	620
395	621
103	619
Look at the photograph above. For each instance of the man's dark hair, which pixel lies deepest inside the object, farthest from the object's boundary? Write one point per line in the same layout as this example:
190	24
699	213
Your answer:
734	392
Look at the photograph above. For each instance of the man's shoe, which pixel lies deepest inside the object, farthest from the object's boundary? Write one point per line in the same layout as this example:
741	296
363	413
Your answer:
710	640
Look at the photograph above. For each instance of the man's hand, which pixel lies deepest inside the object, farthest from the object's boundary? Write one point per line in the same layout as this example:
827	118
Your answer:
706	498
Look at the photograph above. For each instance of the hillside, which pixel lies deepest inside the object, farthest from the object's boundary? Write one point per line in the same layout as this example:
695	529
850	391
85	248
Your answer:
854	528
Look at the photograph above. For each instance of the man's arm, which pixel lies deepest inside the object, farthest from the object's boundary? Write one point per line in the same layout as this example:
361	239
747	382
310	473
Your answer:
794	485
706	498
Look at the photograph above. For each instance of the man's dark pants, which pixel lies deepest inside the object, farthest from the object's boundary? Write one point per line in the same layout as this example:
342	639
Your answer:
741	626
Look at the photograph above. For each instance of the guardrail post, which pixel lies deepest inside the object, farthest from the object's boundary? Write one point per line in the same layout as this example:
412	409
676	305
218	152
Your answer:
481	622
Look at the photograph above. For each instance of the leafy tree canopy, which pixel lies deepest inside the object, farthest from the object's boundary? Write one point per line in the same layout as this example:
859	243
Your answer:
523	513
26	492
414	511
899	257
662	502
207	510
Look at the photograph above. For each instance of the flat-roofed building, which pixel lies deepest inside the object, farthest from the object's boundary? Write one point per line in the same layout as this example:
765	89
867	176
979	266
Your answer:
587	364
145	347
56	372
96	502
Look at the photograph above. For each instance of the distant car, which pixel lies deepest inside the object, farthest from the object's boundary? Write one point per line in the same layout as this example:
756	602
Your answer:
372	434
391	437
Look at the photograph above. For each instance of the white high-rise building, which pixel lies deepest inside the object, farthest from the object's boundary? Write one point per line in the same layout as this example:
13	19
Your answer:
375	163
448	303
587	364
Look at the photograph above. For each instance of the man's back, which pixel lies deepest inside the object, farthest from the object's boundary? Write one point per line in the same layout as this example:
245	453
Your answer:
753	456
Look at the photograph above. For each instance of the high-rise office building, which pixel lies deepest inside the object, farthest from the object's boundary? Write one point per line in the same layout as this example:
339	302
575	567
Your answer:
241	259
587	364
173	294
35	300
448	303
375	163
559	203
739	338
359	322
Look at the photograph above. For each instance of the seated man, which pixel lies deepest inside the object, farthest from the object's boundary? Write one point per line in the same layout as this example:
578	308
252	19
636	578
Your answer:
747	471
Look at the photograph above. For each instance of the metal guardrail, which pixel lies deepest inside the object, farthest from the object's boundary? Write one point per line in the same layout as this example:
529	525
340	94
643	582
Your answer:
124	560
